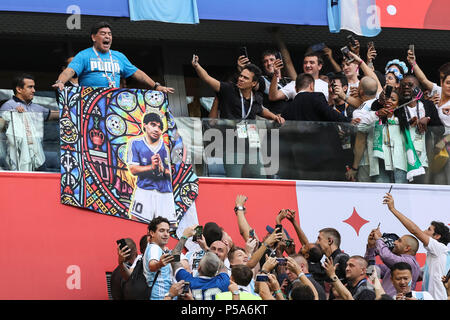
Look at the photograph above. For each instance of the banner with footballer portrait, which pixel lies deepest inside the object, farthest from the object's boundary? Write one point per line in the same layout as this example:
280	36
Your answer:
122	155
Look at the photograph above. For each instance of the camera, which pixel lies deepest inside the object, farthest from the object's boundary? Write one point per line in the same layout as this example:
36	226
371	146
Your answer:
176	258
251	233
408	294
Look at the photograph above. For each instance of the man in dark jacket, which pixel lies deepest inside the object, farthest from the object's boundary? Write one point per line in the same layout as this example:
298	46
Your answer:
314	145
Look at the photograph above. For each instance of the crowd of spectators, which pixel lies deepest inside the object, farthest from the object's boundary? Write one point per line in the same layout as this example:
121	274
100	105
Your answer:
272	267
391	126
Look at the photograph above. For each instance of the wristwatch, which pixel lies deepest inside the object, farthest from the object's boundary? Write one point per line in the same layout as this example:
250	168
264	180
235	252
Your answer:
242	208
334	278
235	292
168	295
157	84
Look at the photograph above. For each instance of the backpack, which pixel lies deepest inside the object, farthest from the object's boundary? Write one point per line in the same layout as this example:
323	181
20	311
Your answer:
136	288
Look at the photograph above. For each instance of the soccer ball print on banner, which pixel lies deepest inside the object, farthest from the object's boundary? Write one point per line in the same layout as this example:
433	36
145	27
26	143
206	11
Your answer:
109	140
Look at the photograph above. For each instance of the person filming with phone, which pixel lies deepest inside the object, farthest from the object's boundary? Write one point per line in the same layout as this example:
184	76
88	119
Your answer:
401	277
435	240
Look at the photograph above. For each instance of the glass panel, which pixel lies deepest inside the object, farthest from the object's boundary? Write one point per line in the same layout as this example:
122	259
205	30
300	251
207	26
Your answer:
294	151
321	151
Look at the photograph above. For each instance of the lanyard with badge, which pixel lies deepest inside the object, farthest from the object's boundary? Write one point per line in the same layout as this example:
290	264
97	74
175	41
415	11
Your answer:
244	129
111	81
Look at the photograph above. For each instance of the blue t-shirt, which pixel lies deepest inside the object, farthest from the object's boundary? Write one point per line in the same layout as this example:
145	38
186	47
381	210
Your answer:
140	153
164	280
91	70
204	288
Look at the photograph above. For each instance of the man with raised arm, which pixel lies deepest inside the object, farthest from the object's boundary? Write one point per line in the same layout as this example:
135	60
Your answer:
238	101
99	66
405	249
434	239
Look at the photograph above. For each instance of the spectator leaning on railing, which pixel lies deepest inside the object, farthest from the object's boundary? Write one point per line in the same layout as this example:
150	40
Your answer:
25	150
99	66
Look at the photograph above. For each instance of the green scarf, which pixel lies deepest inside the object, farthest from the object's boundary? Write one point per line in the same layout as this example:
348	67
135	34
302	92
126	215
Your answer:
414	166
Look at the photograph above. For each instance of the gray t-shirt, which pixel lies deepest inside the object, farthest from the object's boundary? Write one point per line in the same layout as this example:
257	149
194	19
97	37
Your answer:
14	102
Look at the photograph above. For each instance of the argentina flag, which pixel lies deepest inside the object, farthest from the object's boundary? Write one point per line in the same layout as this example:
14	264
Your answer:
359	16
173	11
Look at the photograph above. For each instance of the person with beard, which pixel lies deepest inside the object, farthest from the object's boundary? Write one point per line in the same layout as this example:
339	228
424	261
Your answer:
99	66
405	249
148	159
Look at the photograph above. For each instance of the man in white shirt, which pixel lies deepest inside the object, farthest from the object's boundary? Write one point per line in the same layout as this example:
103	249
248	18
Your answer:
312	64
435	240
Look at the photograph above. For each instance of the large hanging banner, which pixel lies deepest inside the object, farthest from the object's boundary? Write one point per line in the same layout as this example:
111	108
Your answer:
121	155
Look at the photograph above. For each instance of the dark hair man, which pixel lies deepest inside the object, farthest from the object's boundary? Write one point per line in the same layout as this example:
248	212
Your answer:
99	66
157	269
312	64
320	143
148	159
401	278
24	88
126	262
211	233
309	105
268	58
434	239
240	102
25	150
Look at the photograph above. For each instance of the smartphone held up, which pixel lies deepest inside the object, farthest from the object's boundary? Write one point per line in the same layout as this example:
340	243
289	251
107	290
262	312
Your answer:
122	243
346	53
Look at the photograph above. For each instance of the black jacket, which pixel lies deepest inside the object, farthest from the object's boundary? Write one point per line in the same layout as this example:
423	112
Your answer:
311	106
